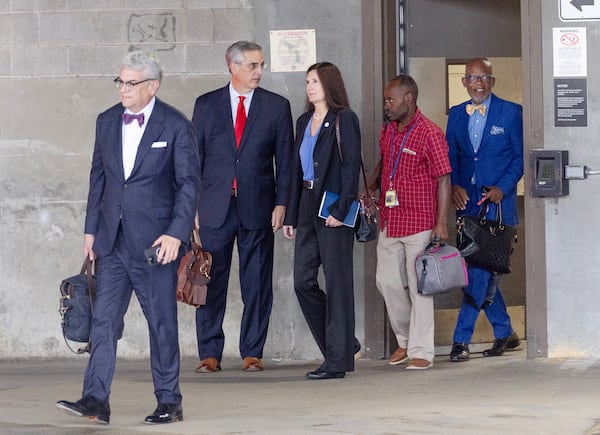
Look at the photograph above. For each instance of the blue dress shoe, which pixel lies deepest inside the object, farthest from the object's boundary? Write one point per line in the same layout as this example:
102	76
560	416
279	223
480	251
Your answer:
94	410
460	352
165	413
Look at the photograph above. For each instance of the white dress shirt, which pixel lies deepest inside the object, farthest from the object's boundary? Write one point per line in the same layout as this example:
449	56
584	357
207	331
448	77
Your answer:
132	135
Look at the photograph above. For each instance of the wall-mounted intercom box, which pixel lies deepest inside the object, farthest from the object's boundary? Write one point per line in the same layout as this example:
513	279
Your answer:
548	172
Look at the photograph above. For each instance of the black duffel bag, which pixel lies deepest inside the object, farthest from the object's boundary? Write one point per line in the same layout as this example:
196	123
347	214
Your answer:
77	295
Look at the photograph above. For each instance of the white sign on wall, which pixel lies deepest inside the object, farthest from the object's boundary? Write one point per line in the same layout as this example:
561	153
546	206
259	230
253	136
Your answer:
569	46
293	50
579	10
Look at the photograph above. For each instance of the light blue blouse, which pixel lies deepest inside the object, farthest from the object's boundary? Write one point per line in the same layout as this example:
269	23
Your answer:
307	148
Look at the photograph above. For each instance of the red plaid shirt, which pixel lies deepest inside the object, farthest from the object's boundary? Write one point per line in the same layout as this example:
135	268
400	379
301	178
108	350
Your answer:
423	160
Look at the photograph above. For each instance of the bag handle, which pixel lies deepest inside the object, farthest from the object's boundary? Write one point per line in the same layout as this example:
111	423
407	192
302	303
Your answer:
434	243
195	237
89	268
483	209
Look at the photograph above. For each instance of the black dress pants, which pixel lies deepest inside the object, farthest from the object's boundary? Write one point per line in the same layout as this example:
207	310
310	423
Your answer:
330	312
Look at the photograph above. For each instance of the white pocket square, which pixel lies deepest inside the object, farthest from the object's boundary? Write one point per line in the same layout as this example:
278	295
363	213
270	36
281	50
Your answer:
159	145
496	130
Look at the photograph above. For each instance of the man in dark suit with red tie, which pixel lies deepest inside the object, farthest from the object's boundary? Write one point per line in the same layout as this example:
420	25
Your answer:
144	185
243	131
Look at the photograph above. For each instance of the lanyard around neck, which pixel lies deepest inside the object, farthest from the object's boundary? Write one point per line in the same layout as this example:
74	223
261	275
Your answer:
399	152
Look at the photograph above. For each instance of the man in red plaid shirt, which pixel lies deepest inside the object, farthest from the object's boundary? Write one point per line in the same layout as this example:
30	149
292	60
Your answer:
415	196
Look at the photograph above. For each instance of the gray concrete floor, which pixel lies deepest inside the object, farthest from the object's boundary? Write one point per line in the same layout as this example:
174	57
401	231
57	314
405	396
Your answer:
503	395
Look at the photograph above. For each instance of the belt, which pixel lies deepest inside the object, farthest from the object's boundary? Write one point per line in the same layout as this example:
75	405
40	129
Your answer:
308	184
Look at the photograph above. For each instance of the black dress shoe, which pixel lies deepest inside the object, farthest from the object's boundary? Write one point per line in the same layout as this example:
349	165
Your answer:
321	374
460	352
165	413
356	345
94	410
513	341
502	344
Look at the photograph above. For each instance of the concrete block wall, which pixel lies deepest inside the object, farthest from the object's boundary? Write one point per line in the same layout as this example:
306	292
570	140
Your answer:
57	62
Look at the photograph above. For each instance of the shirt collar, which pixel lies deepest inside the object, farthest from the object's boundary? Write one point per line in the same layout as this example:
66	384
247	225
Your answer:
415	119
147	110
486	103
234	96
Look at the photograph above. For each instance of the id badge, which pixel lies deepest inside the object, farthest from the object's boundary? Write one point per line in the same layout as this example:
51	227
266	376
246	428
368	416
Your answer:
390	198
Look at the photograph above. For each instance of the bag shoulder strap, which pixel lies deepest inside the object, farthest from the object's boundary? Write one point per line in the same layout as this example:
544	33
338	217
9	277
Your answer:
338	136
339	146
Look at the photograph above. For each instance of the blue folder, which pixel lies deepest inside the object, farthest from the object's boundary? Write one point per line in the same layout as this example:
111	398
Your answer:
328	199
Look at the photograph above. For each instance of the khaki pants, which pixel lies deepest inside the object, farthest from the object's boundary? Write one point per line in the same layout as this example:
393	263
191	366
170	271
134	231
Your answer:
410	314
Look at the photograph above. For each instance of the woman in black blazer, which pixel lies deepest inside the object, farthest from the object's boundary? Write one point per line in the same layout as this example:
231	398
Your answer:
319	164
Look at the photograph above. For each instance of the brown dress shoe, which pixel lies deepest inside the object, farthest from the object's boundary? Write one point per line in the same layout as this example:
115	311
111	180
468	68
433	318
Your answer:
418	364
398	357
253	364
208	365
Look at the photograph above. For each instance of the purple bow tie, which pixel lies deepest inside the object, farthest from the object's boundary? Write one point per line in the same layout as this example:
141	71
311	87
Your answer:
129	117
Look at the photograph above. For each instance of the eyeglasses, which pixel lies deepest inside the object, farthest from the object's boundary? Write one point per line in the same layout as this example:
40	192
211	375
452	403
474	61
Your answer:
254	65
484	79
127	86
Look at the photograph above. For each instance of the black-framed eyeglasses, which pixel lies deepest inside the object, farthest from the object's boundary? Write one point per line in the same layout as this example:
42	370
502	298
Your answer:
484	79
254	65
127	86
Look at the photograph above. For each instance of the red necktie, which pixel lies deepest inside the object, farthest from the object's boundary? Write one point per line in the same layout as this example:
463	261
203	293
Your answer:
240	121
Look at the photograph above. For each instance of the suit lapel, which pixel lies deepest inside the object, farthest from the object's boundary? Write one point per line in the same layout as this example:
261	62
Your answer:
117	139
153	130
492	119
327	127
224	112
463	129
253	112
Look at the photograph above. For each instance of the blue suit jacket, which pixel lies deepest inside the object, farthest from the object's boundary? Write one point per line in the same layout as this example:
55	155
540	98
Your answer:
160	195
499	160
267	139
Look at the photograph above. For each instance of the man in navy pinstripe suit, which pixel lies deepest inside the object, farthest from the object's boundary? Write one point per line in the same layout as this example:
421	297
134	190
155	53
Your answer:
143	192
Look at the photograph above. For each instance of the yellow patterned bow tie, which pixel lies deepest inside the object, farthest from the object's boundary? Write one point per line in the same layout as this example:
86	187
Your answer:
471	108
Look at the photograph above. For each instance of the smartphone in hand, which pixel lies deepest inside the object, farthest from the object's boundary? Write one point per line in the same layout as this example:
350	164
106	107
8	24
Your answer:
151	255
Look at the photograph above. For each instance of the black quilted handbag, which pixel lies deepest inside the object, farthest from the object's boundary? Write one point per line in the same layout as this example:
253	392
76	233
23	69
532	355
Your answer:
485	243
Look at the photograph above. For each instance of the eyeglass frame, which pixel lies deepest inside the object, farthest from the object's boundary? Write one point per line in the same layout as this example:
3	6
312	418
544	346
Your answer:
129	85
254	65
472	79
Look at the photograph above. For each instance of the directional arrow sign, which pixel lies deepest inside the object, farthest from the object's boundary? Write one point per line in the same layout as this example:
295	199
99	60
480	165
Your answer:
579	3
579	10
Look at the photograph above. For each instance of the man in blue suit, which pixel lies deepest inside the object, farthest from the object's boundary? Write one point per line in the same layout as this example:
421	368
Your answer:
144	185
485	139
242	131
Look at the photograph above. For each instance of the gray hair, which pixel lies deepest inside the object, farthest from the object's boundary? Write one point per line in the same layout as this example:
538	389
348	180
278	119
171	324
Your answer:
145	61
235	52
